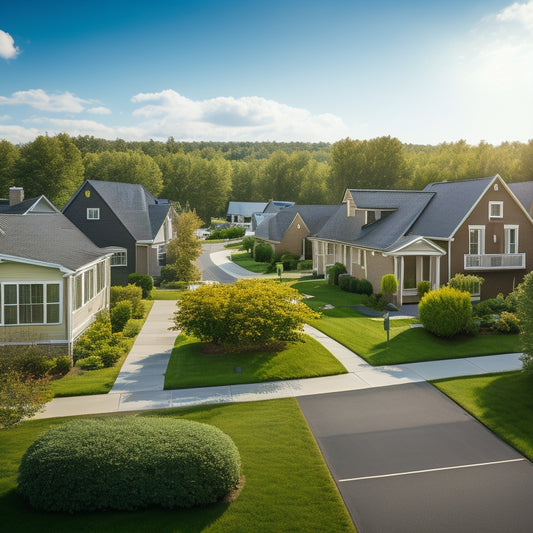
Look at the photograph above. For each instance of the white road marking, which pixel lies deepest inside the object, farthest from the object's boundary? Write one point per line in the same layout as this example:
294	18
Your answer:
432	470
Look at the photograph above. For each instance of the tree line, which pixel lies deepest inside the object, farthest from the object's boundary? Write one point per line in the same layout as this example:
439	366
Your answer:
206	175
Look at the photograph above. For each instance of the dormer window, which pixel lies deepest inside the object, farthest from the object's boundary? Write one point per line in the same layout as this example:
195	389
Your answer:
495	210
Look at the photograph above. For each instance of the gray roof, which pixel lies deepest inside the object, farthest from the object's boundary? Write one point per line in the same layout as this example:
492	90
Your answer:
524	192
141	213
246	209
40	204
275	205
383	234
50	238
453	200
314	216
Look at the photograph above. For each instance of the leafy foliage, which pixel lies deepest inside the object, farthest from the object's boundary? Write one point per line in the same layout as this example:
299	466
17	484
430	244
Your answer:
263	253
120	314
507	323
469	283
128	463
20	397
389	285
130	292
228	233
132	328
248	244
525	314
144	281
446	312
248	313
334	271
422	287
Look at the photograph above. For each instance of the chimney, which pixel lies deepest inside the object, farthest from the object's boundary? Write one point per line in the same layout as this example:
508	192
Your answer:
16	195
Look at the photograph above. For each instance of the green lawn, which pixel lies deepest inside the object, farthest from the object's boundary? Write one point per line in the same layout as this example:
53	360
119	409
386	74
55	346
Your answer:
366	336
245	260
503	402
280	494
166	294
188	367
237	245
85	382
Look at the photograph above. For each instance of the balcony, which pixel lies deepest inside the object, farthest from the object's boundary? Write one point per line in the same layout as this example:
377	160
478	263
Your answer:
494	261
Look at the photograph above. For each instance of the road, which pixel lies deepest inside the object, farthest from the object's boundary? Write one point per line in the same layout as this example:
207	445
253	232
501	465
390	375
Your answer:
210	271
408	459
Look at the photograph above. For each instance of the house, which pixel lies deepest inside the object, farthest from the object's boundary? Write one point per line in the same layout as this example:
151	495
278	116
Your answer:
471	227
250	214
524	192
287	230
53	279
272	207
127	220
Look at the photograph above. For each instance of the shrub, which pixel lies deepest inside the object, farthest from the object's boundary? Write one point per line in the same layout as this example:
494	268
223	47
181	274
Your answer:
248	313
178	285
290	261
446	312
144	281
468	283
98	334
263	253
248	244
422	287
93	362
20	397
491	306
109	355
353	284
129	292
389	285
169	273
306	264
132	328
375	301
363	286
316	275
345	282
120	314
333	272
507	323
62	366
30	364
228	233
128	463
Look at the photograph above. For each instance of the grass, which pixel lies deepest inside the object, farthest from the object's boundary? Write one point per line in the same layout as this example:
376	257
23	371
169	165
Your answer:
166	294
280	493
189	367
503	402
235	245
245	260
80	382
366	336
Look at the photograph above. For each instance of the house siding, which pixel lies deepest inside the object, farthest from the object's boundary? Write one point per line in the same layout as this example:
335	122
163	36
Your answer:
293	240
496	281
108	231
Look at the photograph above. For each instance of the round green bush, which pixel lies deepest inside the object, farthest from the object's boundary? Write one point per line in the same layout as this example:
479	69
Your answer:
93	362
446	312
128	463
363	286
263	253
120	314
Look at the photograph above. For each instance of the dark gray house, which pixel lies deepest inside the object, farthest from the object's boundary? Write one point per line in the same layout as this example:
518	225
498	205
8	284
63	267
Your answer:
124	218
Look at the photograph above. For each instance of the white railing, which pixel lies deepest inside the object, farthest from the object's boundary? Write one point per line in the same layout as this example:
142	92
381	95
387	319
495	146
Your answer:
494	261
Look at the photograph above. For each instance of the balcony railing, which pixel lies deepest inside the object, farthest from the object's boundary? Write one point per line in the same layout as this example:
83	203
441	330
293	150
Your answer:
494	261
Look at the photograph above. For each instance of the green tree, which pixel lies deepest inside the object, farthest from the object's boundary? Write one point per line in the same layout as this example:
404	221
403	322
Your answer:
126	167
51	166
185	248
313	184
525	314
8	157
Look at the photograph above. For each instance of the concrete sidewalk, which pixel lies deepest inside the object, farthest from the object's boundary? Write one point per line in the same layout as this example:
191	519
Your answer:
140	383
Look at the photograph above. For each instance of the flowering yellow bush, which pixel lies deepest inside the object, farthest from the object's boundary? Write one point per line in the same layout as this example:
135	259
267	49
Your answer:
246	313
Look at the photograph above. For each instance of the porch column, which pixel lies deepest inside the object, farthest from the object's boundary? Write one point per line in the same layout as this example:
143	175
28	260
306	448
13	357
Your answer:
437	271
400	283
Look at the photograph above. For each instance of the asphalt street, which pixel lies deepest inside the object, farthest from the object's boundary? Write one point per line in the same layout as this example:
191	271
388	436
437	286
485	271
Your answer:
408	459
210	271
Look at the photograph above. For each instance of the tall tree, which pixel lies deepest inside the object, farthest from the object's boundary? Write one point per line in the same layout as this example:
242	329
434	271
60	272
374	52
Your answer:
127	167
51	166
8	157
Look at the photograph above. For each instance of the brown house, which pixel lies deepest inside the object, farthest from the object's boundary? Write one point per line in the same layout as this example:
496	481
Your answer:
472	226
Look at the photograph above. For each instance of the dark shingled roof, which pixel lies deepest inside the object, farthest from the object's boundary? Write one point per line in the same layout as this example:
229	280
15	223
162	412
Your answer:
40	204
452	202
383	234
141	213
246	209
524	192
314	216
50	238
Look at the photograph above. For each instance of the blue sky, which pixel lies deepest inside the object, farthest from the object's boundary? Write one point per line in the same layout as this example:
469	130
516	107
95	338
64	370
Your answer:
425	72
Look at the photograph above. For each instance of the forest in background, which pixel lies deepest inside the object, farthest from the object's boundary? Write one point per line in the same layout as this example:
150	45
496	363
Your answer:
206	175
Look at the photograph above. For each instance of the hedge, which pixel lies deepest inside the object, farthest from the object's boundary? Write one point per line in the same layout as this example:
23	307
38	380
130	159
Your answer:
128	463
144	281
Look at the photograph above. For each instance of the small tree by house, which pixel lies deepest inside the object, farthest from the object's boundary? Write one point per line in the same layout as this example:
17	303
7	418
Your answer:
248	314
389	286
185	248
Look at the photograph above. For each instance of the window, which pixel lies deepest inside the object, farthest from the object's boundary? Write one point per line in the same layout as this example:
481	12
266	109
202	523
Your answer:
119	259
100	276
476	240
88	285
31	303
495	209
93	213
511	239
162	255
77	296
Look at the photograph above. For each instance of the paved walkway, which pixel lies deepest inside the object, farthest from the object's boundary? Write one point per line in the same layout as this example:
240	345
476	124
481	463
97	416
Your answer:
140	383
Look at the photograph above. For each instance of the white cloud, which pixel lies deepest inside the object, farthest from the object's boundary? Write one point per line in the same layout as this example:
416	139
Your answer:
99	110
8	50
521	13
37	98
227	118
18	134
